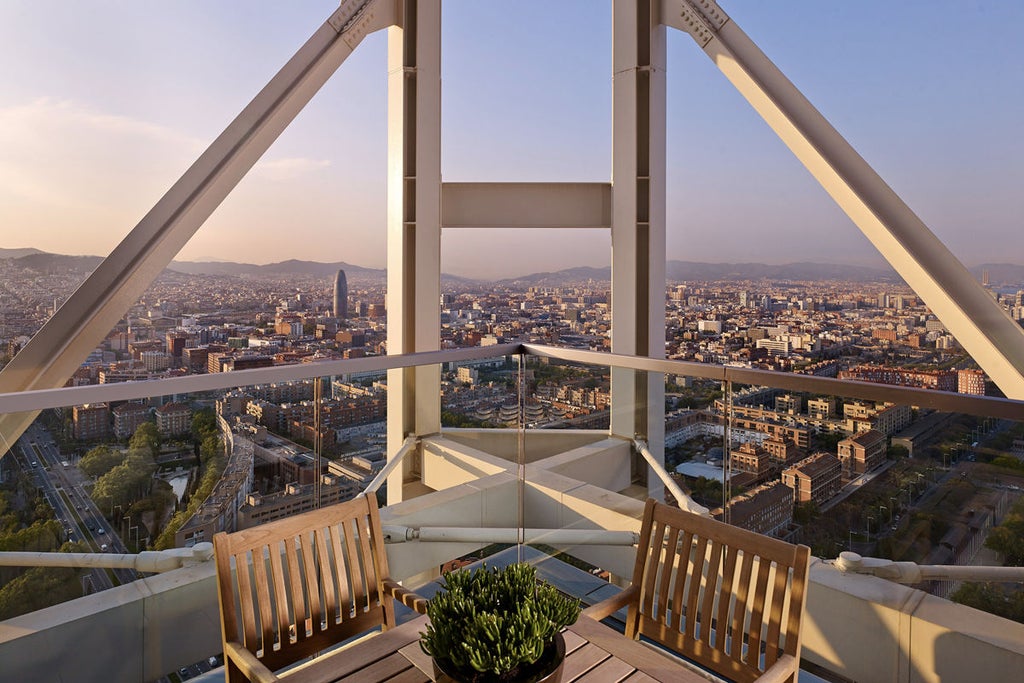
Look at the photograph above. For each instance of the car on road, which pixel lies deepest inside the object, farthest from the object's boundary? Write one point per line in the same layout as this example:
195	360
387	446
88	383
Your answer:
101	531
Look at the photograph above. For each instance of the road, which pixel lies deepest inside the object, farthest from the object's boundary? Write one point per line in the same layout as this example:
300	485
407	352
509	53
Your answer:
73	508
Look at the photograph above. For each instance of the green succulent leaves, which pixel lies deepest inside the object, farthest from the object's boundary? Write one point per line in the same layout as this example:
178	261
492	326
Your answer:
494	620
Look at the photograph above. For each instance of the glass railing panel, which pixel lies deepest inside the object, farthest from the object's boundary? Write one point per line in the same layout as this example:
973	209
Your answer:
117	468
897	476
885	471
695	437
566	395
99	471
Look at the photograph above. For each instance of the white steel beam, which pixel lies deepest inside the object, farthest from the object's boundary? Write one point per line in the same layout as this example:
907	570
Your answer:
414	226
638	223
994	340
53	354
526	205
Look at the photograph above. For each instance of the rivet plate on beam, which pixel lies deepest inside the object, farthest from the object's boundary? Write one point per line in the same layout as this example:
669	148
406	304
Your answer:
711	11
355	19
694	23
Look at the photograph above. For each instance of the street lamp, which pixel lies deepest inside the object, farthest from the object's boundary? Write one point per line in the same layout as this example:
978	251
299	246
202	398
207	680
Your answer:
882	507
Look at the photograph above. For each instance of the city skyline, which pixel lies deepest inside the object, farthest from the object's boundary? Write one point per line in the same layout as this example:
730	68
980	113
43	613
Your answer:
106	113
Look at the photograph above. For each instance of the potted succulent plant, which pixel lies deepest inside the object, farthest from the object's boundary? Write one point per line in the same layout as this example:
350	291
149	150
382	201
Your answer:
493	625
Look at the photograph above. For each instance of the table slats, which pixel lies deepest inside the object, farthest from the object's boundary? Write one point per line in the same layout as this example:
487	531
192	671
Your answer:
594	654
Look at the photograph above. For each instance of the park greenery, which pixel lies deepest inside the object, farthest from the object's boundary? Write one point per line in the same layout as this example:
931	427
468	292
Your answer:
124	484
27	525
1008	540
212	463
453	419
39	587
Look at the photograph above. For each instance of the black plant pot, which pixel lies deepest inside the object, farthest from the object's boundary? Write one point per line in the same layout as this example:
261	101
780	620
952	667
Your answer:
547	669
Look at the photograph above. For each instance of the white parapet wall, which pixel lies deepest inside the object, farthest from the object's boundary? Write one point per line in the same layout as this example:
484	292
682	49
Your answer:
140	631
862	628
870	629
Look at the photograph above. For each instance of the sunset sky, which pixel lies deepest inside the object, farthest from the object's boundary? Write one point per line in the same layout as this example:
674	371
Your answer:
105	103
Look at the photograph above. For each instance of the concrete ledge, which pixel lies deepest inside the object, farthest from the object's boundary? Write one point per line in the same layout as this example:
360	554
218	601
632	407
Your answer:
540	443
135	632
869	629
860	627
604	463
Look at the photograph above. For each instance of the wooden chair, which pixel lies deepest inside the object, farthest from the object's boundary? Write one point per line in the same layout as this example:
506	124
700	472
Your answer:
719	595
302	584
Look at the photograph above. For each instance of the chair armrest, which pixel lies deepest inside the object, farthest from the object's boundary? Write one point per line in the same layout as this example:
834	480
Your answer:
781	671
609	606
251	667
406	596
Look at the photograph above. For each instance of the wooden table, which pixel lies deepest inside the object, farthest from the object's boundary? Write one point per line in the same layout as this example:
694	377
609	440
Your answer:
594	654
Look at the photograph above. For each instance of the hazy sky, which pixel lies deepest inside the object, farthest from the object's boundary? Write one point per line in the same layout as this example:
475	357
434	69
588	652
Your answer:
105	103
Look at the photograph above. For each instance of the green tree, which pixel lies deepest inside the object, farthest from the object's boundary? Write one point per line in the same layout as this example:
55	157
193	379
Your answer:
204	423
212	471
166	538
125	483
452	419
211	447
829	441
1007	539
100	460
804	513
1009	462
1008	542
39	536
37	588
992	598
146	438
897	452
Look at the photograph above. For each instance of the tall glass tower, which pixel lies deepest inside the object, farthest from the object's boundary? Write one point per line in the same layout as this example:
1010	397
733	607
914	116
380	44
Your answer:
340	296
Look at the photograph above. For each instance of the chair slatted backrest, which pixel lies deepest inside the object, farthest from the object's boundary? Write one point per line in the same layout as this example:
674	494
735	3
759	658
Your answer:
725	597
303	583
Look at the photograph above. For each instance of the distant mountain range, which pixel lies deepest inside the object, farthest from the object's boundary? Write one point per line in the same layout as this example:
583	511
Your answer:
691	270
999	273
291	267
18	253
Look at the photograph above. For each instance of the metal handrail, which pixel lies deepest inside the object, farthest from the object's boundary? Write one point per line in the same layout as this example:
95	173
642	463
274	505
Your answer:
446	534
987	406
682	500
408	446
911	572
41	399
148	561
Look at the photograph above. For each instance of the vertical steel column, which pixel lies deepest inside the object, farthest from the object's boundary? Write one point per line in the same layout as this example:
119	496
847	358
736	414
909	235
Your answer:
414	225
638	222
